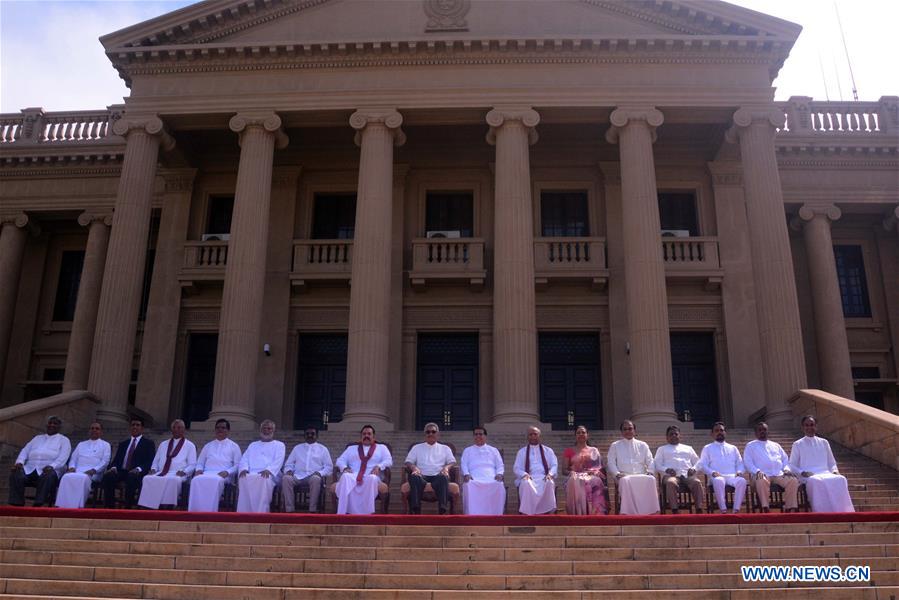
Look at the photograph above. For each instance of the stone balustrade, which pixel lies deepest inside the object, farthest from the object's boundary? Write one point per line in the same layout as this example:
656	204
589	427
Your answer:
321	260
570	259
34	126
203	261
693	257
447	259
805	116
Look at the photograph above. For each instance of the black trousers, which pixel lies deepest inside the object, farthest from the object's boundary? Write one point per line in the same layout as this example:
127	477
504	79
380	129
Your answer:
44	482
440	485
132	484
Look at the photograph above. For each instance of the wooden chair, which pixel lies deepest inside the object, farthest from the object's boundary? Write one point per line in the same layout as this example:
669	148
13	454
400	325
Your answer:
776	499
428	495
685	500
383	487
300	497
728	497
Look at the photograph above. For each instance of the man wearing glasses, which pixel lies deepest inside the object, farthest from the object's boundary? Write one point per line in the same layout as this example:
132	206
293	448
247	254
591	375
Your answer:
482	472
429	462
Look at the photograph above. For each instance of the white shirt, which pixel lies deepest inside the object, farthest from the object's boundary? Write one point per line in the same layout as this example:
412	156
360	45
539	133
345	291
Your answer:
350	458
91	454
185	460
722	458
306	459
679	457
767	457
813	455
45	450
629	457
537	471
219	455
263	456
483	463
430	458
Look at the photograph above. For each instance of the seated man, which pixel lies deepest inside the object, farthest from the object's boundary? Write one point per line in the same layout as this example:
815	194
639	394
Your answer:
536	467
132	461
88	461
360	479
722	462
767	463
216	466
308	465
812	458
630	463
39	465
482	470
260	471
676	463
429	463
174	463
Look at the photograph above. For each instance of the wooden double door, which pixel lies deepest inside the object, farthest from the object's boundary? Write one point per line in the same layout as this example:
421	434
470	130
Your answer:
447	380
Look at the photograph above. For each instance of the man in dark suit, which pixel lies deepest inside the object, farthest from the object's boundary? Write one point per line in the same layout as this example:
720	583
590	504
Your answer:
132	461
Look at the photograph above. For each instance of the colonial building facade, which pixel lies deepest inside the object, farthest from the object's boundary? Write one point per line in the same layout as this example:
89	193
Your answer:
488	211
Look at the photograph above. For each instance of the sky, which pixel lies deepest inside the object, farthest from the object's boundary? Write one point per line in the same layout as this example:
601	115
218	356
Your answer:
50	55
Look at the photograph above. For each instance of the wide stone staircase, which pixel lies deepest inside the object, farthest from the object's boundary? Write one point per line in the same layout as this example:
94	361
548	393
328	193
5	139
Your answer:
92	558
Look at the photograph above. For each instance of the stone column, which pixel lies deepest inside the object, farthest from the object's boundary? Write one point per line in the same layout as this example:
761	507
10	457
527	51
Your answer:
84	325
368	356
12	249
827	304
652	390
234	394
114	339
780	333
515	393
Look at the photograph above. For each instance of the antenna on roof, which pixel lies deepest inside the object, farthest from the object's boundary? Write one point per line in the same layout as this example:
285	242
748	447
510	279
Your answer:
823	77
846	50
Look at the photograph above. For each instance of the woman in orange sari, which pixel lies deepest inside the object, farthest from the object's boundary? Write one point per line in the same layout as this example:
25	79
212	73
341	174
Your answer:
585	490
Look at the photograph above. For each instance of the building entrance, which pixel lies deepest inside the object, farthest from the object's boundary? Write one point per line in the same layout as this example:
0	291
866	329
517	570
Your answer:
200	378
447	380
570	391
695	381
321	380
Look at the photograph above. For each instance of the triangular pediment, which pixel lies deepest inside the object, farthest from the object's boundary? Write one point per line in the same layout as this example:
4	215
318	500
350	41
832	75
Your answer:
260	22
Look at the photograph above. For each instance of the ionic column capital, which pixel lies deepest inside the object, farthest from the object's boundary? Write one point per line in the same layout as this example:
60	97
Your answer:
149	125
623	116
266	120
892	220
389	118
809	211
504	115
748	115
19	219
89	217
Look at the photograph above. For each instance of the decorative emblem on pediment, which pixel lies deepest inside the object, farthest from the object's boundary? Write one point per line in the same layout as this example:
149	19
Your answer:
447	15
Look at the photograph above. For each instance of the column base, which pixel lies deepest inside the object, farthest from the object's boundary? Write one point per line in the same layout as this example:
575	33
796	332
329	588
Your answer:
111	416
355	422
515	423
240	418
781	419
658	422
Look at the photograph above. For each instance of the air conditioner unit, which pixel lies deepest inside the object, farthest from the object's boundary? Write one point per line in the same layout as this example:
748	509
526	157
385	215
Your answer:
445	234
216	237
675	233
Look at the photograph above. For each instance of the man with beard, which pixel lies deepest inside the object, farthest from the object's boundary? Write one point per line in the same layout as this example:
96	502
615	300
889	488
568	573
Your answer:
307	466
39	465
535	471
812	458
722	462
767	463
630	463
174	463
360	479
88	461
260	471
216	466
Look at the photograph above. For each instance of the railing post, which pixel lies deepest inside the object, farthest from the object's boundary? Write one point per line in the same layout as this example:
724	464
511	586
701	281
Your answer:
799	114
888	114
32	125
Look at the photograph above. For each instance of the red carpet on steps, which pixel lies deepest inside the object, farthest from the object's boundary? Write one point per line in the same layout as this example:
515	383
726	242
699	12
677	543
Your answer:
447	520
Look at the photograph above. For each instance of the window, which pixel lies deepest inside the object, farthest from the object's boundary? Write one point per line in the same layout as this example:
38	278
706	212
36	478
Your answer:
67	287
54	374
334	216
219	214
866	372
450	211
853	284
564	214
145	290
677	213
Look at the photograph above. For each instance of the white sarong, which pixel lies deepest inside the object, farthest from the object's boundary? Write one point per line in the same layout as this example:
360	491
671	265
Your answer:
828	492
719	486
483	497
157	489
356	499
254	493
536	496
638	495
205	491
74	488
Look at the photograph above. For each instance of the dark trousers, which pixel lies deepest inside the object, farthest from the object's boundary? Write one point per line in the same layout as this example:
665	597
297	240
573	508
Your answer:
132	484
44	482
440	485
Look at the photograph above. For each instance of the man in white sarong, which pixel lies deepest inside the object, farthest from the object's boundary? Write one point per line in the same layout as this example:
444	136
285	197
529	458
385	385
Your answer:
39	465
429	463
260	471
536	467
175	461
676	463
307	466
767	463
724	465
87	464
216	466
630	463
482	473
360	479
812	458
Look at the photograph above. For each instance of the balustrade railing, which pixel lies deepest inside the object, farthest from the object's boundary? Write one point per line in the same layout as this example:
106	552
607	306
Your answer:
569	253
211	255
321	260
811	117
447	259
34	126
690	253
